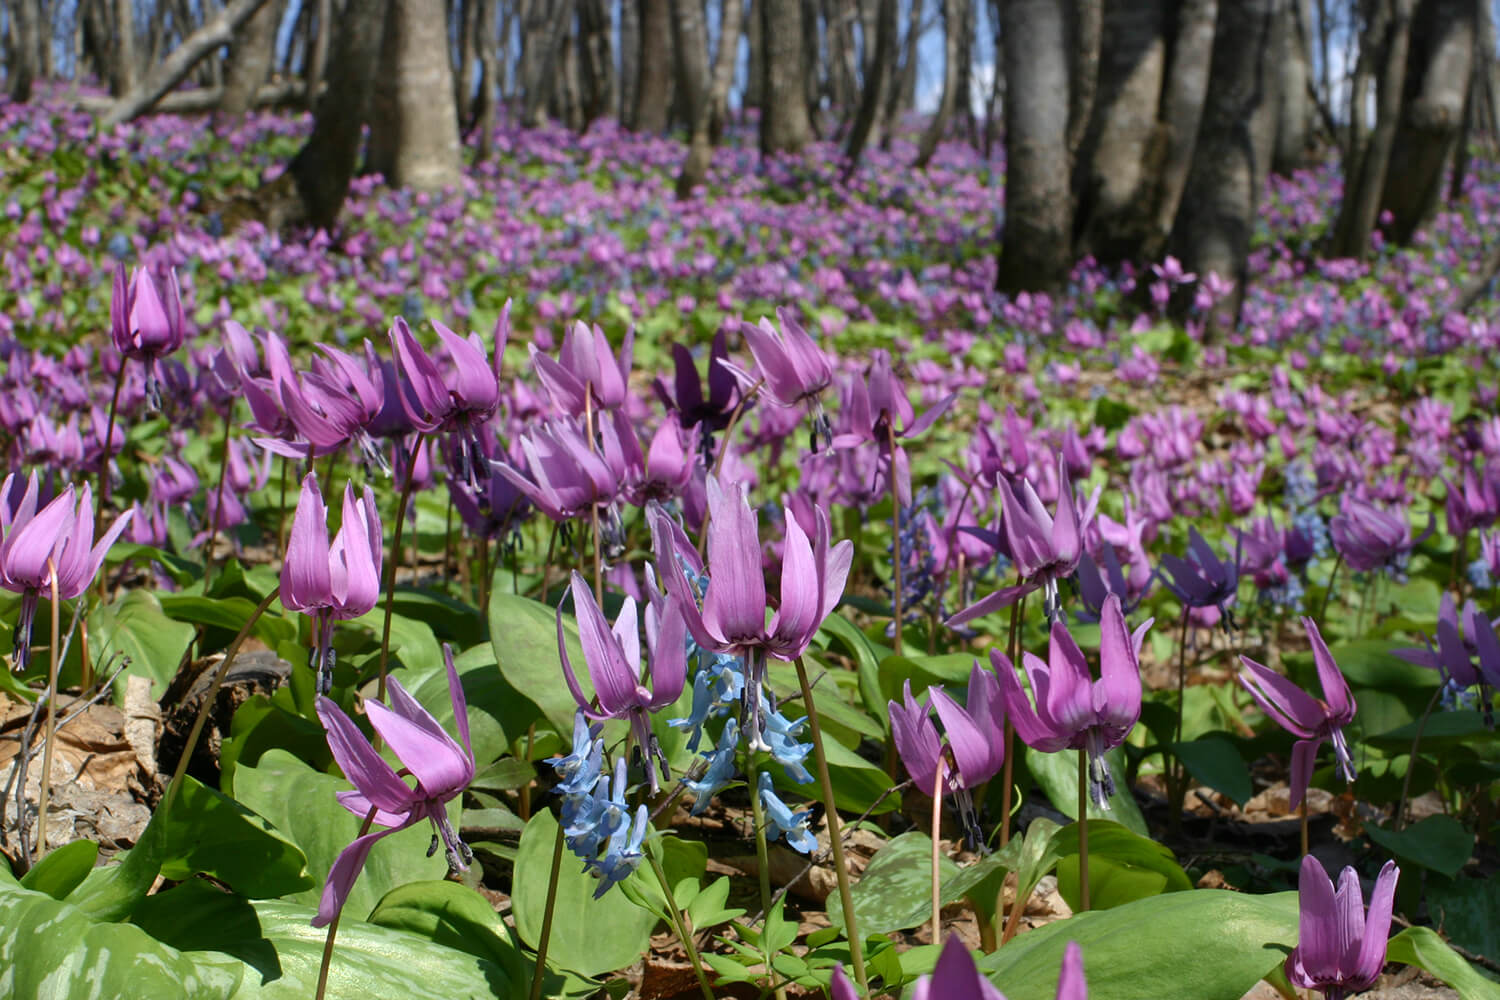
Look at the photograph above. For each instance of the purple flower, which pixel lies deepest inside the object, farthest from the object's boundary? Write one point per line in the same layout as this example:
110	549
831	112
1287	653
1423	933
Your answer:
1370	538
1456	653
794	369
55	543
955	977
586	375
1072	710
615	668
1045	548
441	767
686	398
458	401
1340	948
567	477
1203	580
144	326
334	582
1312	721
973	752
733	616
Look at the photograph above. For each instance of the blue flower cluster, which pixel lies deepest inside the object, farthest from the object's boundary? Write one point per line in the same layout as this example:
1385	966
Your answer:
595	815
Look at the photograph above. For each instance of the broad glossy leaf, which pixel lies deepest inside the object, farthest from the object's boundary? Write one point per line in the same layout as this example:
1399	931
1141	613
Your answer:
1421	946
1438	843
1057	773
60	872
1123	866
136	626
1215	762
1202	945
456	917
524	634
210	832
895	892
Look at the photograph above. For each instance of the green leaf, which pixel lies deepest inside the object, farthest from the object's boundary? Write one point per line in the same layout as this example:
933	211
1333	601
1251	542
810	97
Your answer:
1443	729
1215	762
227	613
866	663
1437	843
1201	945
1031	856
51	948
136	626
301	803
279	951
1057	773
923	671
524	634
60	872
1123	866
211	833
456	917
1422	947
591	936
895	892
1468	910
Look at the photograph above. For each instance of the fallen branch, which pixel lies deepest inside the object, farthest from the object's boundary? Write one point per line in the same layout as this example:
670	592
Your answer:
216	32
200	99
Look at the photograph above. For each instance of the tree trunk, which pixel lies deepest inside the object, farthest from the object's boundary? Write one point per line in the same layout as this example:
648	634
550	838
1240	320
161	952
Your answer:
700	145
1182	113
652	102
1038	204
487	101
544	46
414	130
317	57
1232	158
250	59
1294	112
843	74
755	64
26	44
630	66
596	61
952	27
878	69
690	57
467	59
1119	161
784	124
1365	170
124	40
1439	71
899	83
1083	79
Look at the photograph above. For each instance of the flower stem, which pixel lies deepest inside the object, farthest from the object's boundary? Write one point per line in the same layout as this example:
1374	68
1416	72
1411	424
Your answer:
937	822
1173	763
679	926
1014	652
1411	761
333	925
835	838
395	561
109	436
763	859
551	904
1327	593
44	792
212	697
213	517
896	609
1083	830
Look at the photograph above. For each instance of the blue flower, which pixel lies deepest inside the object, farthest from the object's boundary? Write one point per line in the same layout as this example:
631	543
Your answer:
781	735
780	820
720	768
579	771
622	856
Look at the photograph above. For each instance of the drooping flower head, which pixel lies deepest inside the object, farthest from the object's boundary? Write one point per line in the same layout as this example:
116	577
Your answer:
458	400
1310	719
442	769
331	582
1370	538
146	323
1340	948
1073	711
1202	579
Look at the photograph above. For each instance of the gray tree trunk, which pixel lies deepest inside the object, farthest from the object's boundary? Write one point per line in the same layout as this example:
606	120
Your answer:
630	66
690	52
414	132
899	82
654	93
784	123
1294	109
1182	113
1035	253
1439	71
124	39
317	57
595	60
250	58
755	64
1235	139
700	144
25	48
1387	42
953	15
878	68
545	38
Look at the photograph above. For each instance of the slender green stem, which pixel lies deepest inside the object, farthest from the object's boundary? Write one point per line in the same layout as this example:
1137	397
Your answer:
897	612
1338	562
109	436
546	938
1013	650
213	518
937	829
333	925
212	697
395	561
734	421
1083	830
45	789
1411	760
763	859
1175	772
684	934
835	839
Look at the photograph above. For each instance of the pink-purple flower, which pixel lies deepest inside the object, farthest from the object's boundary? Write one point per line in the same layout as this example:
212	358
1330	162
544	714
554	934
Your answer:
1340	948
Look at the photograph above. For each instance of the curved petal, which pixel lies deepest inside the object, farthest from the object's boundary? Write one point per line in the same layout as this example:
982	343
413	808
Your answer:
1317	934
735	606
1294	710
305	580
345	871
979	753
1069	700
1028	724
1335	688
441	768
1117	696
613	677
361	764
1070	982
916	740
1377	927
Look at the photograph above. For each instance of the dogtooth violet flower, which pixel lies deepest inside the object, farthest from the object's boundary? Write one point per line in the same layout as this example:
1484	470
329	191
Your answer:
615	667
331	582
1073	711
442	769
586	376
1310	719
733	615
1203	580
972	752
955	977
1464	658
1045	547
1370	538
794	369
1340	948
144	326
875	410
53	544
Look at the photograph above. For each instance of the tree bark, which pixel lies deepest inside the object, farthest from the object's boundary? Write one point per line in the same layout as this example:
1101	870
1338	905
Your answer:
953	14
542	64
1366	168
1232	158
26	44
414	132
878	69
215	33
652	102
1034	255
690	52
1439	72
317	56
250	59
899	80
630	66
1088	28
784	123
596	61
700	145
123	81
1294	110
1182	113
